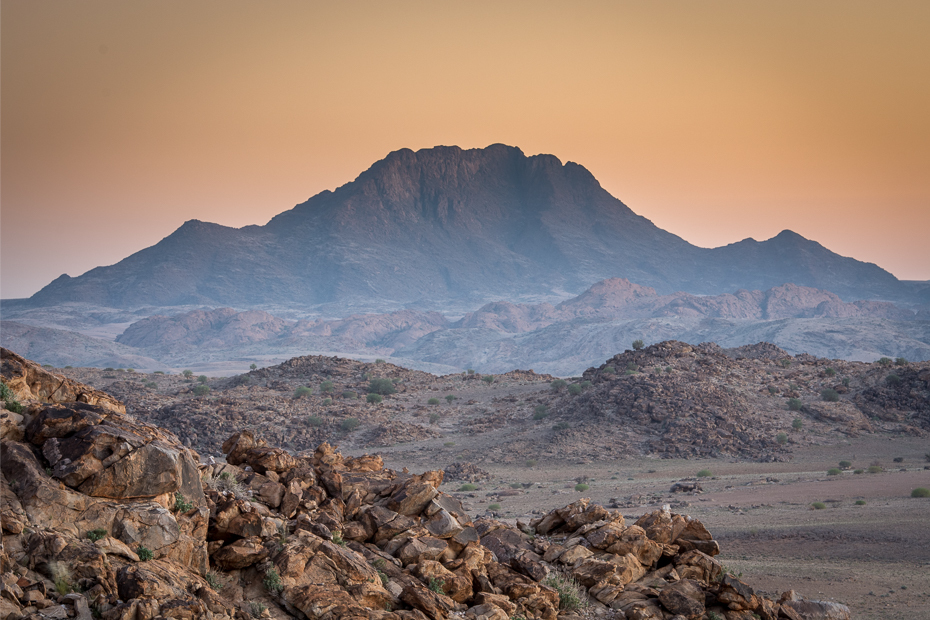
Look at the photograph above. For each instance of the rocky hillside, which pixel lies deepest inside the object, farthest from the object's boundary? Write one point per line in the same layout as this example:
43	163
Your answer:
106	517
445	226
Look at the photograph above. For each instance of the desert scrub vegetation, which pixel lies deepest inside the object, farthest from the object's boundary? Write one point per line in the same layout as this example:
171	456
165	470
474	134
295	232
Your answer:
845	464
494	507
374	398
228	483
97	534
314	420
609	370
900	361
638	345
450	398
704	473
574	389
468	486
145	554
181	504
920	492
381	386
834	471
558	384
830	395
350	424
201	390
326	387
797	424
571	595
875	469
581	487
540	412
818	506
489	379
794	404
893	379
10	403
433	401
884	361
272	580
781	438
350	395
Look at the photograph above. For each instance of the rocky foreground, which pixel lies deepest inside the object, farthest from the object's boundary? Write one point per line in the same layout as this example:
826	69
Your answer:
107	517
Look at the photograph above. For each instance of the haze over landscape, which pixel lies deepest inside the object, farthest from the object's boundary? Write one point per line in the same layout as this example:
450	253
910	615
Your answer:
412	311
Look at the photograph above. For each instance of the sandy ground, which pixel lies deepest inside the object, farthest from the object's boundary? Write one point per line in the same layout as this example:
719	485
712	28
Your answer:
874	557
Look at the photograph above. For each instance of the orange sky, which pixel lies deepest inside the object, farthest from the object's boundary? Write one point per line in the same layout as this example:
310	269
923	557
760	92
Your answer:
716	120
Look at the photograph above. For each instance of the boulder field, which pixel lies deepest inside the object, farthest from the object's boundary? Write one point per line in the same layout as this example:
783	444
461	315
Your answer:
107	517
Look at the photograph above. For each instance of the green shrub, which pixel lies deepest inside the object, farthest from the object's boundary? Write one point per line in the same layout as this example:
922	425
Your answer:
830	395
213	580
326	387
540	412
785	362
256	609
704	473
379	360
574	389
374	398
314	420
435	585
561	426
349	394
834	471
150	385
327	402
272	580
337	539
468	486
449	444
818	505
181	504
433	401
159	372
638	345
10	403
885	361
830	371
95	535
253	366
494	507
797	424
794	404
188	373
893	379
203	378
875	469
900	361
516	485
631	368
450	398
302	391
609	370
846	381
860	502
558	384
571	594
201	390
920	492
530	462
585	384
859	471
668	369
433	418
471	371
581	487
845	464
349	424
381	386
145	554
489	379
781	438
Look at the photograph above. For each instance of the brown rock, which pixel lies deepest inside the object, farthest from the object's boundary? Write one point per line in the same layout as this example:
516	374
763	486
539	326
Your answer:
240	554
683	598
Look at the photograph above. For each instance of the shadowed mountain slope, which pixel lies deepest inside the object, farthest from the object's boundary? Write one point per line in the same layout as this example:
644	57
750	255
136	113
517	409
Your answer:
447	225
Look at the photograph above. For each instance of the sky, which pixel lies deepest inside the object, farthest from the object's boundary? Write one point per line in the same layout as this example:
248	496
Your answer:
717	120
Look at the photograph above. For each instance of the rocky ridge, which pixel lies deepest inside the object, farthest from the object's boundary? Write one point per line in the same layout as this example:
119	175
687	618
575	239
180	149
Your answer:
107	517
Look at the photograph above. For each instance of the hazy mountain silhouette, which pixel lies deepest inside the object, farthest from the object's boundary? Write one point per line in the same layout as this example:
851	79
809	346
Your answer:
446	225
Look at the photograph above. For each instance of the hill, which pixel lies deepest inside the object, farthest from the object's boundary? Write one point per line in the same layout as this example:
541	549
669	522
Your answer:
447	226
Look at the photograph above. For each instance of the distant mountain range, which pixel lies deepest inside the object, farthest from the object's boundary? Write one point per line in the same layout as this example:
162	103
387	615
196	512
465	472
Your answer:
447	227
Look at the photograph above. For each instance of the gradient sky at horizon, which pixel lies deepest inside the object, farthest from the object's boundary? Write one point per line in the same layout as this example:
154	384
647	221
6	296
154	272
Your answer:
717	120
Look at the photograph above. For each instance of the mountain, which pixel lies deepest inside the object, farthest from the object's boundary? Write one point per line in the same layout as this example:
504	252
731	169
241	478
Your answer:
446	227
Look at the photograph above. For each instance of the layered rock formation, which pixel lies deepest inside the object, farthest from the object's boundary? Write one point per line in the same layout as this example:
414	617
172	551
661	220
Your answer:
105	517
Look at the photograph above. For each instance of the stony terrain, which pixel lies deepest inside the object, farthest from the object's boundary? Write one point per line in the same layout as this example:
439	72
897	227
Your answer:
106	516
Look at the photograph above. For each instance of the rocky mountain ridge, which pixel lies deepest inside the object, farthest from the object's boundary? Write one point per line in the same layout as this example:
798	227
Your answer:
448	227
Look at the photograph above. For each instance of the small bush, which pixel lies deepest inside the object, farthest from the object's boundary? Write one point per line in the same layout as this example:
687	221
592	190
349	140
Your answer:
561	426
201	390
433	401
860	502
609	370
516	485
830	395
898	459
468	486
349	424
213	580
450	398
326	387
256	609
797	424
145	554
10	403
668	369
574	389
540	412
470	371
338	539
228	483
875	469
181	504
203	378
151	385
381	386
893	379
785	363
374	398
327	402
781	438
845	381
900	361
379	360
449	444
435	585
638	345
585	384
834	471
253	366
433	418
818	505
530	463
920	492
489	379
794	404
704	473
885	361
558	384
272	580
302	392
581	487
830	371
571	594
314	420
350	394
859	471
95	535
845	464
494	507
